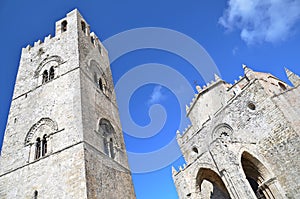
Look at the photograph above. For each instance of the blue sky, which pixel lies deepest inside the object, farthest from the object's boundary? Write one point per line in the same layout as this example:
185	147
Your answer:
265	35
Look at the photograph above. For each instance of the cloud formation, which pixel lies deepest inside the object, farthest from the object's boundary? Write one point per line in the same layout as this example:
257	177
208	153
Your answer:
262	20
156	95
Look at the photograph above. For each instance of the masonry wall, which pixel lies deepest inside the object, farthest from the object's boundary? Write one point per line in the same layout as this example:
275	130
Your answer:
50	176
106	178
236	137
65	110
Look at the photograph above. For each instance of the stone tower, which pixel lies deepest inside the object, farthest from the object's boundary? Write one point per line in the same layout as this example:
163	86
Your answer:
244	140
63	137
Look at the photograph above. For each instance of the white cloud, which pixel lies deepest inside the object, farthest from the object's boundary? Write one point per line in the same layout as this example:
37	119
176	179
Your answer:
262	20
156	95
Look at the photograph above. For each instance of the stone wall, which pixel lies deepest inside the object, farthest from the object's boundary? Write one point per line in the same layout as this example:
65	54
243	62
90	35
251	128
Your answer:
252	136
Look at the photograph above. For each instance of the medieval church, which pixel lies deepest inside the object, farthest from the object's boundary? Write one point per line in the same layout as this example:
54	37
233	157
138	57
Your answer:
244	140
64	139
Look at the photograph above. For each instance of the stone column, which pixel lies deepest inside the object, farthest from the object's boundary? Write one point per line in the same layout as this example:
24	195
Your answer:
228	164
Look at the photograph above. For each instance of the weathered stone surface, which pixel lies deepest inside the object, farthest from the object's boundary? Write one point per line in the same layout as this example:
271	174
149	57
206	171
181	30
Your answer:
83	159
249	130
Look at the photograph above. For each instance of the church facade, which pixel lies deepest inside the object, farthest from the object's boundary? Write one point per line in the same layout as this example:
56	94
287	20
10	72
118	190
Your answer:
243	141
63	137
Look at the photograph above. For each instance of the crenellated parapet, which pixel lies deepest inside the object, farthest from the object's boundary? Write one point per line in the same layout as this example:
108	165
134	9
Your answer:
68	29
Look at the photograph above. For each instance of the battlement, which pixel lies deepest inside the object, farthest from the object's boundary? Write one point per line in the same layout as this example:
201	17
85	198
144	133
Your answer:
71	26
216	95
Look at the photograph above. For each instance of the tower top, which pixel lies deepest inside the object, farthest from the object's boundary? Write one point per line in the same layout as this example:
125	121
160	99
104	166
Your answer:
69	27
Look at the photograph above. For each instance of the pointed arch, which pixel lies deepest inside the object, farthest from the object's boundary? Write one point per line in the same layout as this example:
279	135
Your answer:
262	182
211	185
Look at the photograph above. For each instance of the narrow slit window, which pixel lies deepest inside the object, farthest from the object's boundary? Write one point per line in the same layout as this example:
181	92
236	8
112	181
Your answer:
101	84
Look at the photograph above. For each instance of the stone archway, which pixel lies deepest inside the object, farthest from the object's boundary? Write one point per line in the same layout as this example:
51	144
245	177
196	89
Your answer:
263	184
210	185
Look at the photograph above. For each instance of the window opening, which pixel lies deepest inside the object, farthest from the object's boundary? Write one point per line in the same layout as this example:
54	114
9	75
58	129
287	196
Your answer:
107	131
100	84
92	40
282	86
35	195
51	71
195	150
83	27
45	77
44	145
64	26
111	148
37	148
251	106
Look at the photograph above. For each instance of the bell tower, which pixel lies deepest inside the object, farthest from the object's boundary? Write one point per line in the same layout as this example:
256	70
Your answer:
63	137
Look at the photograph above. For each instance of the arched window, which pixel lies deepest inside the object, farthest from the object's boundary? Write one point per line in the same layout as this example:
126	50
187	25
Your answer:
259	178
44	145
45	77
92	40
51	71
37	148
211	185
64	26
83	27
106	129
